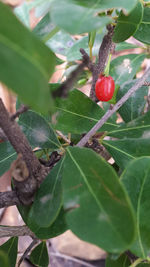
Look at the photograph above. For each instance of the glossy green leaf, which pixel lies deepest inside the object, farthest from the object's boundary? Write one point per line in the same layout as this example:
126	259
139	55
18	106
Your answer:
107	4
94	197
48	200
4	259
7	156
143	32
134	106
125	150
124	68
58	227
26	63
138	128
128	24
78	114
10	248
122	261
136	179
38	131
81	19
39	255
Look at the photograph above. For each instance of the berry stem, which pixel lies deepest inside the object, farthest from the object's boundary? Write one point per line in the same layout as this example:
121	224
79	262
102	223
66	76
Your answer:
106	71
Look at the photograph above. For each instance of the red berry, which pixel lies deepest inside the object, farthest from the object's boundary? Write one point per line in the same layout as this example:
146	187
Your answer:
104	88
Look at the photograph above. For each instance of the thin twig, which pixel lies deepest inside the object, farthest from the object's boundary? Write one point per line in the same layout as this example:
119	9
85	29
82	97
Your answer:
87	59
109	113
29	248
20	111
60	134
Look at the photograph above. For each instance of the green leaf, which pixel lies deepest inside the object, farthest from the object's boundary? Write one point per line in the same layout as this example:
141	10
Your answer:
143	32
58	227
21	52
138	128
125	150
134	106
41	7
99	210
81	19
125	46
39	255
124	68
128	24
4	259
45	29
7	156
78	114
143	264
136	179
107	4
60	43
10	248
122	261
38	131
74	51
48	200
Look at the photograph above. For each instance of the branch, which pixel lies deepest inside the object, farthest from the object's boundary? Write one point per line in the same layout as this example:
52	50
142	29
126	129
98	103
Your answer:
104	51
9	198
25	189
18	140
7	231
87	59
110	112
29	248
20	111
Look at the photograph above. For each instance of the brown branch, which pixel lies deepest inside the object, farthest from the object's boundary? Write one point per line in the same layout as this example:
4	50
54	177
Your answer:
87	59
20	111
26	189
110	112
9	198
18	140
7	231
